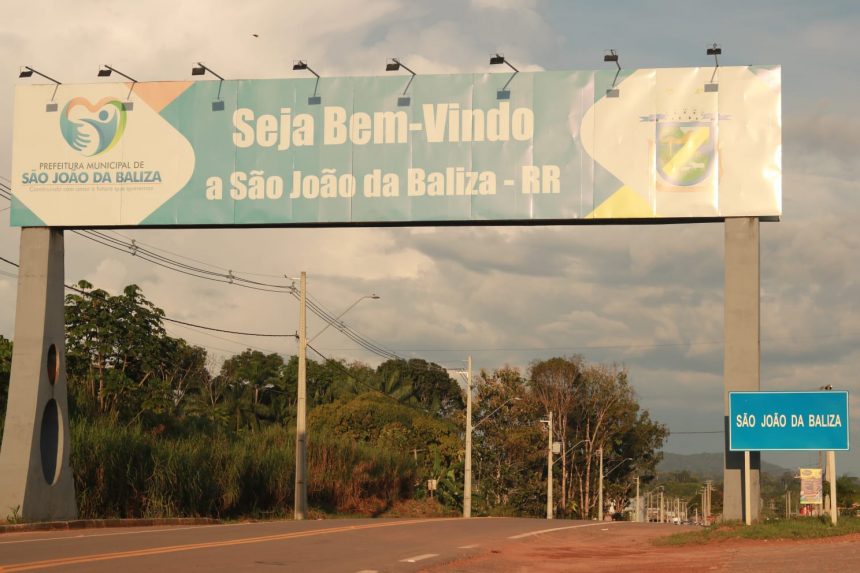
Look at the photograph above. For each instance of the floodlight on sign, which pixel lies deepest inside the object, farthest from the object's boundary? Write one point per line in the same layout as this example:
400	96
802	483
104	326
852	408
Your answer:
106	70
714	50
393	66
199	70
303	65
27	72
496	60
612	56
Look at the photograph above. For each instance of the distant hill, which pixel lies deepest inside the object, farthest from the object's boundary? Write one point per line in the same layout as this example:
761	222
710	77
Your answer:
705	465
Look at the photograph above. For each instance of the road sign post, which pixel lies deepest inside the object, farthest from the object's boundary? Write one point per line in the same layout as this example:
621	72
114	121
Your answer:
784	421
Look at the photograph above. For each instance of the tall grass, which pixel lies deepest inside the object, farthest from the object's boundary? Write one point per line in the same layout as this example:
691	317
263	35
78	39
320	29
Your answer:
127	472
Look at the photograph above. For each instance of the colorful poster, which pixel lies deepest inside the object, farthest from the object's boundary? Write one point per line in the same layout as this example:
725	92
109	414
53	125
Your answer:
551	148
810	486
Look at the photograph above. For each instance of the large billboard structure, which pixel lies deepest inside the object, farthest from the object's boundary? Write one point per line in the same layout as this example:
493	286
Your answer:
553	147
565	147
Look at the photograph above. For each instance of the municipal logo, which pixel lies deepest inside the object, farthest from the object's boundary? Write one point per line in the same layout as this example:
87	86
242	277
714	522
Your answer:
92	129
685	151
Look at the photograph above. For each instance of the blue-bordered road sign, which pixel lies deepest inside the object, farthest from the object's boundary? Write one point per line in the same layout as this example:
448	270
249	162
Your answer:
788	420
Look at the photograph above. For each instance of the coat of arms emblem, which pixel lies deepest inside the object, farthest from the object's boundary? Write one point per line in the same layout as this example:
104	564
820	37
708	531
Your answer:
684	153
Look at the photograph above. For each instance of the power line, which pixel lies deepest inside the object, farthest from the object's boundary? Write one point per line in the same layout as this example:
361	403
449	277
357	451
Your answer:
230	340
187	258
671	433
135	249
176	321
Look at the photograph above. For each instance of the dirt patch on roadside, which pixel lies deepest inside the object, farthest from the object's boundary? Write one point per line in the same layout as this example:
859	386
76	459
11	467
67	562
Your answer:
627	547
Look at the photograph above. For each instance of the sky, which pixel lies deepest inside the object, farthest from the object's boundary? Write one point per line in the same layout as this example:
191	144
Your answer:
646	297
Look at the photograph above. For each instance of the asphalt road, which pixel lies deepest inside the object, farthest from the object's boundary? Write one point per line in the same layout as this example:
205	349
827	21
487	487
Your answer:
348	545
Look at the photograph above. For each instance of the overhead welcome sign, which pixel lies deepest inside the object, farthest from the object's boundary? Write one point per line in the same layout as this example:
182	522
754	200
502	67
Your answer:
553	148
788	420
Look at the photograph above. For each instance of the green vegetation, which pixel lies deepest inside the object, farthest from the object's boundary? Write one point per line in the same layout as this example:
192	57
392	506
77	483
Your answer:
594	412
800	528
158	430
127	472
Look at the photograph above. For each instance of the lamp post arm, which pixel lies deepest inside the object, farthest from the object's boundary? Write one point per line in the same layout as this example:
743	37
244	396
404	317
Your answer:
338	317
616	466
488	416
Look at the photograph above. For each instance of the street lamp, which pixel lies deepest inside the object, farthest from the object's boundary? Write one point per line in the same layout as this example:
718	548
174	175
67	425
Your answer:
490	415
831	475
373	296
600	489
548	422
301	487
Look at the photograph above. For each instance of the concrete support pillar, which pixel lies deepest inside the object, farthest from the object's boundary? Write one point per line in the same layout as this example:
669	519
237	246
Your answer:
742	353
35	478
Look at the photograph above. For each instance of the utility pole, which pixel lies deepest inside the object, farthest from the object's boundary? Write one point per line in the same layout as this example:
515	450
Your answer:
600	488
638	516
301	489
467	485
707	503
549	469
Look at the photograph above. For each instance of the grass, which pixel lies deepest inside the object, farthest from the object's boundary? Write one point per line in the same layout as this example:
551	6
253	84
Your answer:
127	472
801	528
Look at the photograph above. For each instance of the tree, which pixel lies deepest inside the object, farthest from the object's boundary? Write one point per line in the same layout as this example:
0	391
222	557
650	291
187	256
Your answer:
555	385
509	448
379	420
422	383
607	421
848	492
120	362
113	342
330	380
252	383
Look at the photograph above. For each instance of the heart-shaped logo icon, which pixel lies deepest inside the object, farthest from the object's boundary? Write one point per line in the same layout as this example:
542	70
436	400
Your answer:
92	129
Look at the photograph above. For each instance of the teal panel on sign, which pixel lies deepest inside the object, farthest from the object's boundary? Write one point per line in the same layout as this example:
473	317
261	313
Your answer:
760	421
529	147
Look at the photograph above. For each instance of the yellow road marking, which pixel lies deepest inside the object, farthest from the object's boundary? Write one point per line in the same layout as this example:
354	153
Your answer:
190	547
